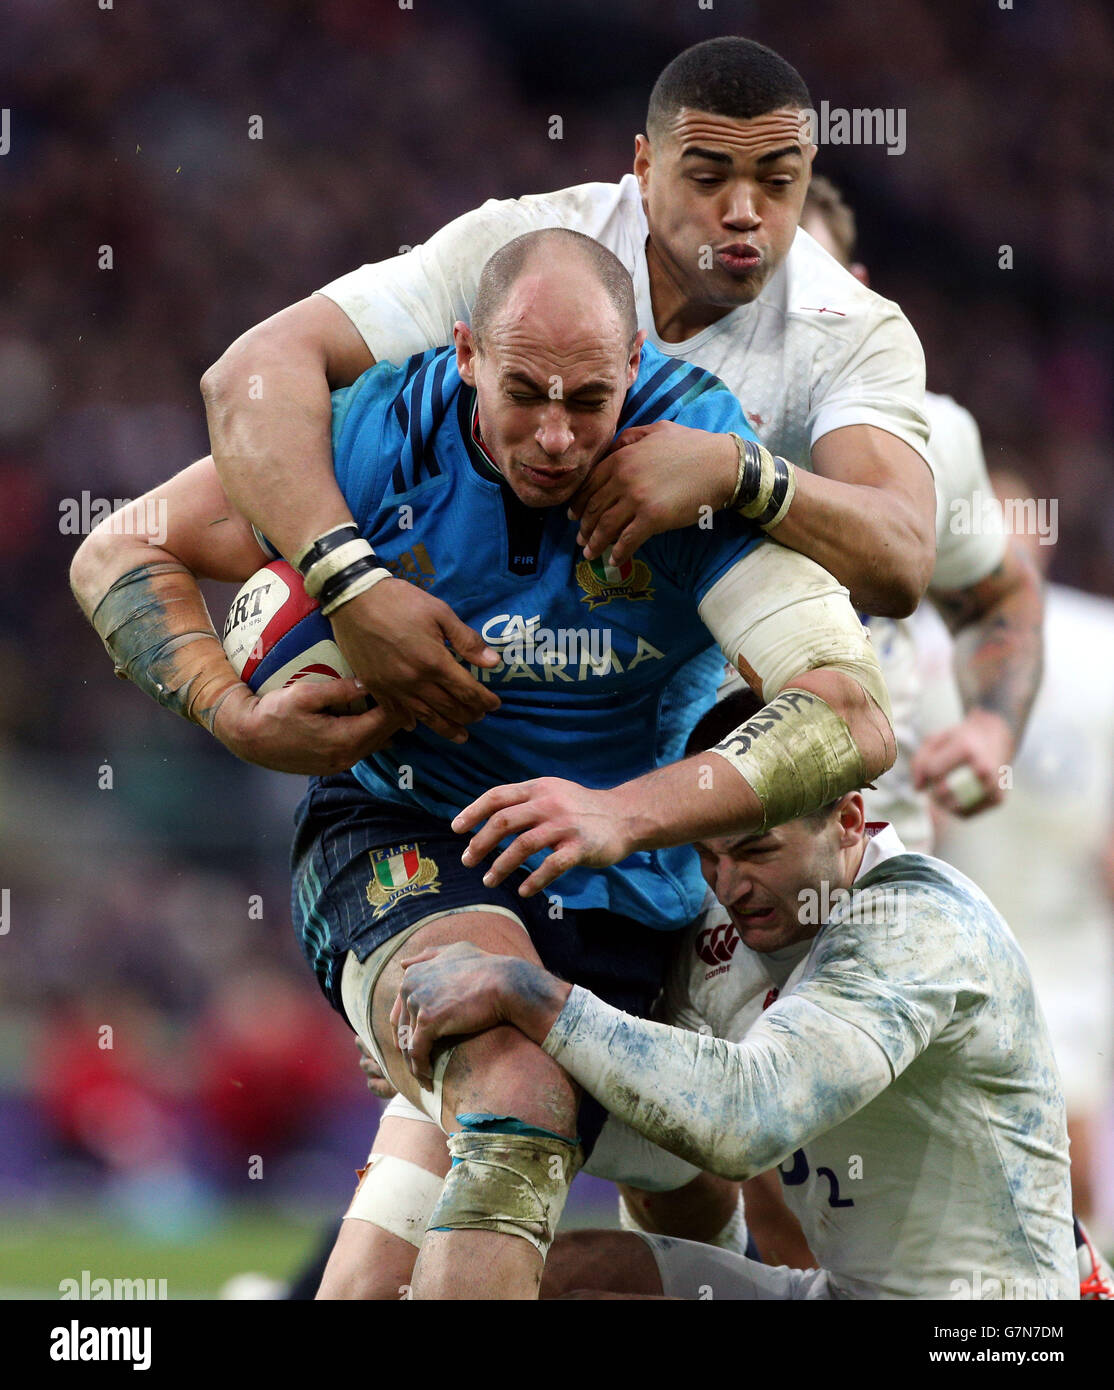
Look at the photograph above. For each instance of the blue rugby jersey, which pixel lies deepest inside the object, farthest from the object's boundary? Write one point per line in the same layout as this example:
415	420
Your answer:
605	669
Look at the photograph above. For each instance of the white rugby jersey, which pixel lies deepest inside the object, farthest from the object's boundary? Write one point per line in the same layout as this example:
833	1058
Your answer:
902	1080
817	350
1038	856
814	352
970	544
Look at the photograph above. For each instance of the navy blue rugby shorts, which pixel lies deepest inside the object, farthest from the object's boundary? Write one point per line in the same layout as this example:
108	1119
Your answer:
366	869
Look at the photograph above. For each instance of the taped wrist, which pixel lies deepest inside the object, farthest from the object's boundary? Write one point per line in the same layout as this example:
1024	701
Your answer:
322	545
764	485
797	754
509	1177
339	565
155	626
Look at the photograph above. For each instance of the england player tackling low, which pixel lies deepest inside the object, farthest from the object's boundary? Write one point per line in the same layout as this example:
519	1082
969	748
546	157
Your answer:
868	1024
479	446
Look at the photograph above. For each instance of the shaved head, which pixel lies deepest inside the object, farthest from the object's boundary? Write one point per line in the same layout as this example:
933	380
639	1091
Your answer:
552	349
554	262
728	76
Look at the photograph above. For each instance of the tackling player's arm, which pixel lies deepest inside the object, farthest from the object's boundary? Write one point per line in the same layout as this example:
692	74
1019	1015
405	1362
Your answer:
736	1109
868	1006
999	653
866	513
269	410
135	578
790	630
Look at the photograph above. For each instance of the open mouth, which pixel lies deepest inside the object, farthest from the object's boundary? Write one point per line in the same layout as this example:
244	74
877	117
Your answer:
757	917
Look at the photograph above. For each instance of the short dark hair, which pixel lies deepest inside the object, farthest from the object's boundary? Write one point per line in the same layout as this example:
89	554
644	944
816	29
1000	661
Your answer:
504	267
728	76
825	199
726	716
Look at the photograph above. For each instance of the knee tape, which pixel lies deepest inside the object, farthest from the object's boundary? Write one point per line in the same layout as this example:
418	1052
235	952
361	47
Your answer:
508	1177
397	1196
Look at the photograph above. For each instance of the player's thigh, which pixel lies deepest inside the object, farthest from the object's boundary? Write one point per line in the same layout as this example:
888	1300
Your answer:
600	1262
375	1251
499	1071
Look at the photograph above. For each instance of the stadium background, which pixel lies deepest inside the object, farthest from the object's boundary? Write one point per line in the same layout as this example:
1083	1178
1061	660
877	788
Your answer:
131	905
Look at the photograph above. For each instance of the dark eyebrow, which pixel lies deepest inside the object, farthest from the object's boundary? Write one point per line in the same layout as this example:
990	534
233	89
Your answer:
524	380
719	157
780	154
743	842
716	156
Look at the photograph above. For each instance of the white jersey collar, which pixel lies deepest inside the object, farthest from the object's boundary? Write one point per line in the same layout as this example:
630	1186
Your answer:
883	843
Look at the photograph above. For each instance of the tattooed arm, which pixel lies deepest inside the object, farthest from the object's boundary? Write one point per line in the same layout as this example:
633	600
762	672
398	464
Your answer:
136	579
996	624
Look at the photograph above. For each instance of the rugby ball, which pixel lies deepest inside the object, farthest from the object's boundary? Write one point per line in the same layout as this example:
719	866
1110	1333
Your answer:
275	635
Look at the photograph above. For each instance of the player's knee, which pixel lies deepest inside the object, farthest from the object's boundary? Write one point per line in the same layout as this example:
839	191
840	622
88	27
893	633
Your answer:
502	1071
509	1177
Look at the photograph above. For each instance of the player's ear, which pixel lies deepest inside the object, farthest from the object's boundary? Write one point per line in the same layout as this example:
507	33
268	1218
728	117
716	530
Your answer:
642	162
465	345
852	820
635	359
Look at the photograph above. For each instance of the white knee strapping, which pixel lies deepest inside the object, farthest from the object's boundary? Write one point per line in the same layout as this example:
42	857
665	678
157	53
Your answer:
396	1195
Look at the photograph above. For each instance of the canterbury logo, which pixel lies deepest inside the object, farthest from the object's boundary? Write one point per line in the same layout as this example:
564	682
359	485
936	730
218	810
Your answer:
716	945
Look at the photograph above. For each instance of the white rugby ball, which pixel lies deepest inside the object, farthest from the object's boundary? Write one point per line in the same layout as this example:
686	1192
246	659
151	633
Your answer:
275	635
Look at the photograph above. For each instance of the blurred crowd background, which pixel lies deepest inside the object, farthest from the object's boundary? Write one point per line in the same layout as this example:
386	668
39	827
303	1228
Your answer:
145	869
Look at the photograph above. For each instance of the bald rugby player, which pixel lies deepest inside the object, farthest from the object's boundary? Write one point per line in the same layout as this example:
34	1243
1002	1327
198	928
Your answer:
831	376
604	669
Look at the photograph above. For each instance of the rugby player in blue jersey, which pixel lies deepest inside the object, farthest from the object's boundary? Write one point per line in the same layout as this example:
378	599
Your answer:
473	452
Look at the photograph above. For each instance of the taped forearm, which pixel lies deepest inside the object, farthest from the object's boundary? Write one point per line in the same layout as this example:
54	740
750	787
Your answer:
797	755
780	618
155	626
735	1109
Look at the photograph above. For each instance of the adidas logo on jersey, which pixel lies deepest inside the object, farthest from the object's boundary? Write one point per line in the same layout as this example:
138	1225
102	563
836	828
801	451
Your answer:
413	565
